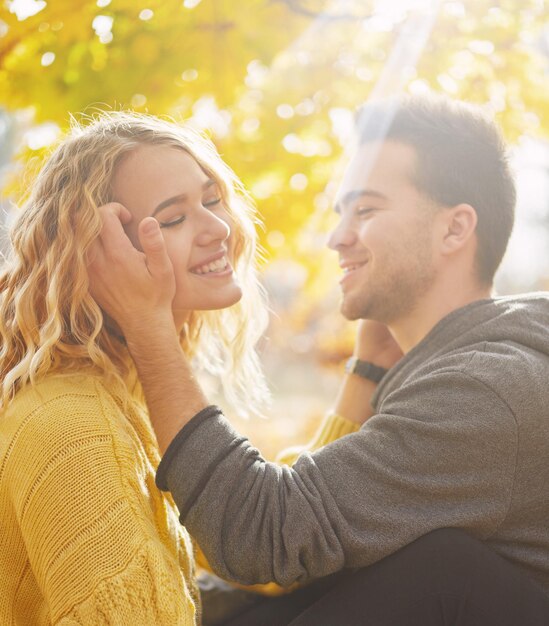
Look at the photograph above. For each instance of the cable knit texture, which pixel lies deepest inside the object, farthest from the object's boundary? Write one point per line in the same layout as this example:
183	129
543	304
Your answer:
85	536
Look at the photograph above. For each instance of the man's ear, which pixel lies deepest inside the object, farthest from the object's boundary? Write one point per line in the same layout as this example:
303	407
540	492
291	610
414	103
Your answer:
458	228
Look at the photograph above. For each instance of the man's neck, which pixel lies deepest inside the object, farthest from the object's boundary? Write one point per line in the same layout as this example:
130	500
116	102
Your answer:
409	330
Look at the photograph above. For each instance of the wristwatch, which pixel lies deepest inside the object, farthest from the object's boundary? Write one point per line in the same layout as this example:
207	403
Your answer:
365	369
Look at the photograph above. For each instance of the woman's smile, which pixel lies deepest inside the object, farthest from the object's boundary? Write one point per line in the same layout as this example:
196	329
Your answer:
194	220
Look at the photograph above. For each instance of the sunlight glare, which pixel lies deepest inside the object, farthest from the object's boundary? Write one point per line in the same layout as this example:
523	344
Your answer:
26	8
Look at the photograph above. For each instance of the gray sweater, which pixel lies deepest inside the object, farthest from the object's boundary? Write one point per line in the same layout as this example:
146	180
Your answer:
460	439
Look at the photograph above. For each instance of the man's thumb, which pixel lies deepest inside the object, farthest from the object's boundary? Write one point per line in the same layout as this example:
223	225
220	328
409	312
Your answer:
154	248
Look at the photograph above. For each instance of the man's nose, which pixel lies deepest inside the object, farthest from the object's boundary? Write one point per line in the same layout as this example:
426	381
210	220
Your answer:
342	236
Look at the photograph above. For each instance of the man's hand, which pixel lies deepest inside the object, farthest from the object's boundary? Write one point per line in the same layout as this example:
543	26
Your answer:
134	288
375	343
137	289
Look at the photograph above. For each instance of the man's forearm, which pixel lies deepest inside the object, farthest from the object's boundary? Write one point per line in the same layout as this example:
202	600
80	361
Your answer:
171	390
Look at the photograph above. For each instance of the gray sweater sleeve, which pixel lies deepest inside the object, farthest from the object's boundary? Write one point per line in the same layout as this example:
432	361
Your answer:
440	453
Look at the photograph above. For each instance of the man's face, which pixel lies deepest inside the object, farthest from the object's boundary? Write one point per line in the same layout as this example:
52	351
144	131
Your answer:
167	183
384	236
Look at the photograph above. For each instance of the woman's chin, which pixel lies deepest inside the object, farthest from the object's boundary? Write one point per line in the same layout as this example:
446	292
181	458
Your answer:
223	299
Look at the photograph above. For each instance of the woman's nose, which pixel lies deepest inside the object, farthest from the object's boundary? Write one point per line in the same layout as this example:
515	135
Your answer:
213	228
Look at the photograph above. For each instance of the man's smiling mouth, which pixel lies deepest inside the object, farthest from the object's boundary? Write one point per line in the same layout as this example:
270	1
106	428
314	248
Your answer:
349	267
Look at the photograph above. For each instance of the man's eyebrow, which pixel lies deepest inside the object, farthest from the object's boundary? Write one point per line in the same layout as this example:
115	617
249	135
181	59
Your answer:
181	197
350	196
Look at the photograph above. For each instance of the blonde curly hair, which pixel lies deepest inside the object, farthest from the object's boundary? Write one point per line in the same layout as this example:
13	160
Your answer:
49	323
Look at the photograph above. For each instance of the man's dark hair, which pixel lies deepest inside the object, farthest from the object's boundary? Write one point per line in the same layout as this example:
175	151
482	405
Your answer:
461	158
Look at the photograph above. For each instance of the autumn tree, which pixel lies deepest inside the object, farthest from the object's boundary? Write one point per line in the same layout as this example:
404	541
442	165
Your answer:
275	82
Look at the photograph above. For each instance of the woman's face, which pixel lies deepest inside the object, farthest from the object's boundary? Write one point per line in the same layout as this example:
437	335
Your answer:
167	183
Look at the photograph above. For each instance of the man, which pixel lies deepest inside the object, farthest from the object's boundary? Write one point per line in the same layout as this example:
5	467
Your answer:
459	432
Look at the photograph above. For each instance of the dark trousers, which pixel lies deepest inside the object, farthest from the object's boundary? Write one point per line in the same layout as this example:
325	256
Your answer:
445	578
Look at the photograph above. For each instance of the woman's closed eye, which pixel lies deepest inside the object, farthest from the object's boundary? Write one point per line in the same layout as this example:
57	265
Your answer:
174	222
213	202
208	204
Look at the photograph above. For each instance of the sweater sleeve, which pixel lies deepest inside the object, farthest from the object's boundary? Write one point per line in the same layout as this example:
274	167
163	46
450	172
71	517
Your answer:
332	427
440	454
83	500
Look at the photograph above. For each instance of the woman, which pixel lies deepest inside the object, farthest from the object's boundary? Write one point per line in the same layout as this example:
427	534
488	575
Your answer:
86	538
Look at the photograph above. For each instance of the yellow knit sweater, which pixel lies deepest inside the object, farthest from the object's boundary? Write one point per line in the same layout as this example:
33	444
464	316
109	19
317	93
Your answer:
85	536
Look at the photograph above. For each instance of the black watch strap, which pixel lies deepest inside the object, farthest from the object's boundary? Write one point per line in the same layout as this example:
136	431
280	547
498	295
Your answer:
365	369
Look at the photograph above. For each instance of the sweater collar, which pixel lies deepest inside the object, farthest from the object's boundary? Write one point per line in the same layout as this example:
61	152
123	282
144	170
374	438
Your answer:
436	341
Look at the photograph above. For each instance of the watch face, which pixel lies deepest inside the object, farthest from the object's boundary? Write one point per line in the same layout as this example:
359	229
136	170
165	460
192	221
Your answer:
350	365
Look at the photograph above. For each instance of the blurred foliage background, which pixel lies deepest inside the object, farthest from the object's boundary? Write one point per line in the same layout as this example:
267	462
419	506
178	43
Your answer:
275	84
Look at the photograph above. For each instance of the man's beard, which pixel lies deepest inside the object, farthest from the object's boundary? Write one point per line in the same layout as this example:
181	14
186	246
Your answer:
396	292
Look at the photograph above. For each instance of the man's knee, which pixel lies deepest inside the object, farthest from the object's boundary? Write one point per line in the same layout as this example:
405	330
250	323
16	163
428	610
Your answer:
446	541
447	553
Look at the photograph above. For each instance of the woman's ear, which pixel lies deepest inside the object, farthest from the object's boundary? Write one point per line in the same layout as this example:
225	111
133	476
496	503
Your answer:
458	228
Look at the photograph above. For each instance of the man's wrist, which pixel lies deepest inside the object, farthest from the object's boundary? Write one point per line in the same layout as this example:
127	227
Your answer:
172	393
150	328
365	369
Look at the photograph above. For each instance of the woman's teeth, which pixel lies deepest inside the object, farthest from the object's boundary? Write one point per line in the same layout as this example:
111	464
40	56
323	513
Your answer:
214	266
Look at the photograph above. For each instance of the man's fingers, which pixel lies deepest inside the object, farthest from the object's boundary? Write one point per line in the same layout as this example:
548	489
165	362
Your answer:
125	282
117	209
152	242
114	240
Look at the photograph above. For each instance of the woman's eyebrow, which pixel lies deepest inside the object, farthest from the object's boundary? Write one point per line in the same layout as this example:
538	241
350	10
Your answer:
181	197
